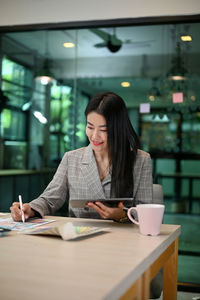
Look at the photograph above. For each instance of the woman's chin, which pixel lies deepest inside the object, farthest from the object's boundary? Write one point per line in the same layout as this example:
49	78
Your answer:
98	148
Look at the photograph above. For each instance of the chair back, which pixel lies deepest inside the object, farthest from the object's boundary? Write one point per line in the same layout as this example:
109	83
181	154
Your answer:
157	194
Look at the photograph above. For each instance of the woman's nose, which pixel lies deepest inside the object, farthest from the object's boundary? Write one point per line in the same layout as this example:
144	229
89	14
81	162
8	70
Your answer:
95	134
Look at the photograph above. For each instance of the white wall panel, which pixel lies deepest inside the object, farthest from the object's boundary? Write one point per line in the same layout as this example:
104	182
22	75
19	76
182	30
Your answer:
19	12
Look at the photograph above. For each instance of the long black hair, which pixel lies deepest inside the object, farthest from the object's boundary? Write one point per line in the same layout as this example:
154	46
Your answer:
123	142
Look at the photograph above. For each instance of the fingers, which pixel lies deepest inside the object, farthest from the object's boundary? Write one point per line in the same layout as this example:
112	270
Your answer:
103	210
100	208
101	205
16	211
16	203
106	212
28	212
120	205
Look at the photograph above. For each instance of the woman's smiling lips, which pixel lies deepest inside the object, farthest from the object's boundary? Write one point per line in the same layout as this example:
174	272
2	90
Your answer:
97	143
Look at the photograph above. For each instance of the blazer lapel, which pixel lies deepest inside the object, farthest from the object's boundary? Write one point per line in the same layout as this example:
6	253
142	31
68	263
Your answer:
91	176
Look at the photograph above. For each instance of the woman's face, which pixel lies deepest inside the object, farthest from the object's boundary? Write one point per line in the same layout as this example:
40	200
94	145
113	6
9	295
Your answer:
96	131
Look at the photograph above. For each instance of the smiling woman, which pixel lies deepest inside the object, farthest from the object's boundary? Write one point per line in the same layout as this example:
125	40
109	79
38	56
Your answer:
117	146
111	166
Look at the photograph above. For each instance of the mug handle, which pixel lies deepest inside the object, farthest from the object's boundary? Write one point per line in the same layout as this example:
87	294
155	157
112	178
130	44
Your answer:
130	216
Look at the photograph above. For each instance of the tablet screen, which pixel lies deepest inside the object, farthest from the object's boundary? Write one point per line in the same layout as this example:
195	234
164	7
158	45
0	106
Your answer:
112	202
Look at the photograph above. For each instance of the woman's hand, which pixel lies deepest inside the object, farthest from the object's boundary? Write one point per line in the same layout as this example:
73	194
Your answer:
16	211
114	213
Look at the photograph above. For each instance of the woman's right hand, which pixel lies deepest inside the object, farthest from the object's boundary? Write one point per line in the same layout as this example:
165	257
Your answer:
16	211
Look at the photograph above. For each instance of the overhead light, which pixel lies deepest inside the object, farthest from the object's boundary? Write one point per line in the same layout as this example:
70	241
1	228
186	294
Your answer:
186	38
26	106
177	77
45	80
177	71
151	97
125	84
40	117
68	45
44	74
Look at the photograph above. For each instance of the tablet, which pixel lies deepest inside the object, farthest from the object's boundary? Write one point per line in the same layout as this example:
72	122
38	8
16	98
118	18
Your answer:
112	202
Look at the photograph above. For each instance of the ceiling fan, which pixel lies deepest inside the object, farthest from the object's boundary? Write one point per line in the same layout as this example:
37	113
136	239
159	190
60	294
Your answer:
112	42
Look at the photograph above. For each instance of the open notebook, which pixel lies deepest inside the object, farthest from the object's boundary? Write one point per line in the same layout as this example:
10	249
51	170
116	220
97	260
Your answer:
67	231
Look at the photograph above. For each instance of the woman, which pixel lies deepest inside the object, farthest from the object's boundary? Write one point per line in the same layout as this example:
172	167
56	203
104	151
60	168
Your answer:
111	166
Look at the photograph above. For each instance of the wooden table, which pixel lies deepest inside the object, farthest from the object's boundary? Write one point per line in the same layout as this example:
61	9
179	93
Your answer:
118	264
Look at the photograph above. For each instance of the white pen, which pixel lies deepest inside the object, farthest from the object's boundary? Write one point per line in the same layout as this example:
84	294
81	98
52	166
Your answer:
20	203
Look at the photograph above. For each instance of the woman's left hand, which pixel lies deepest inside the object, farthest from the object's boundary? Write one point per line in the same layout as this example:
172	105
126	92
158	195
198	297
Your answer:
113	213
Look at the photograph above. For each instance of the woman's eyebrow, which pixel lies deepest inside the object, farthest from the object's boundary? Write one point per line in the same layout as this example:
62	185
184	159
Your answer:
93	124
90	123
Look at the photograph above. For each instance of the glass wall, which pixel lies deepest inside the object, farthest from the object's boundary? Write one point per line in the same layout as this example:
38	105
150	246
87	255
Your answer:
16	87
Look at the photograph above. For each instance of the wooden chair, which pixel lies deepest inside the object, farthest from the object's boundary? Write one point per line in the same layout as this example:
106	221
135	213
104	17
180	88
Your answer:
157	282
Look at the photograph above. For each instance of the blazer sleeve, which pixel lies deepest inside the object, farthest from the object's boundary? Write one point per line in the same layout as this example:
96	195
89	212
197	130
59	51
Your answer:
55	194
143	183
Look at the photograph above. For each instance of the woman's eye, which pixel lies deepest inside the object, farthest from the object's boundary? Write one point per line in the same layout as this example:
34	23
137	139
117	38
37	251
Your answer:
89	127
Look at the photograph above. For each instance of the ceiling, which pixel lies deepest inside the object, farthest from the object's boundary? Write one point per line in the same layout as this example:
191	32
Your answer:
146	53
137	40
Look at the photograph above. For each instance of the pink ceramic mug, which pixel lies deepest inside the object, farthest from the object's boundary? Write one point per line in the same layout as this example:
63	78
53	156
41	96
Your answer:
150	217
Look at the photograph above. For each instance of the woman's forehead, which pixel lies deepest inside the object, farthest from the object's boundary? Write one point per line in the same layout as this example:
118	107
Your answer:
96	119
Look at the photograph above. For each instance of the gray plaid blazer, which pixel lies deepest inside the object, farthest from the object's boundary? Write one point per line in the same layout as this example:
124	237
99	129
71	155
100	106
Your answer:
77	177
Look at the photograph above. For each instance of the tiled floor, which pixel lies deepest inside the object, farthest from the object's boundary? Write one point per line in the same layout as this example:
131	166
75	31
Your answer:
185	296
188	296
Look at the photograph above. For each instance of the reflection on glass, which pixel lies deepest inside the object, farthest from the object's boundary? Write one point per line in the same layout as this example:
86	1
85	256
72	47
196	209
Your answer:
14	125
16	82
191	134
67	121
16	155
159	132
